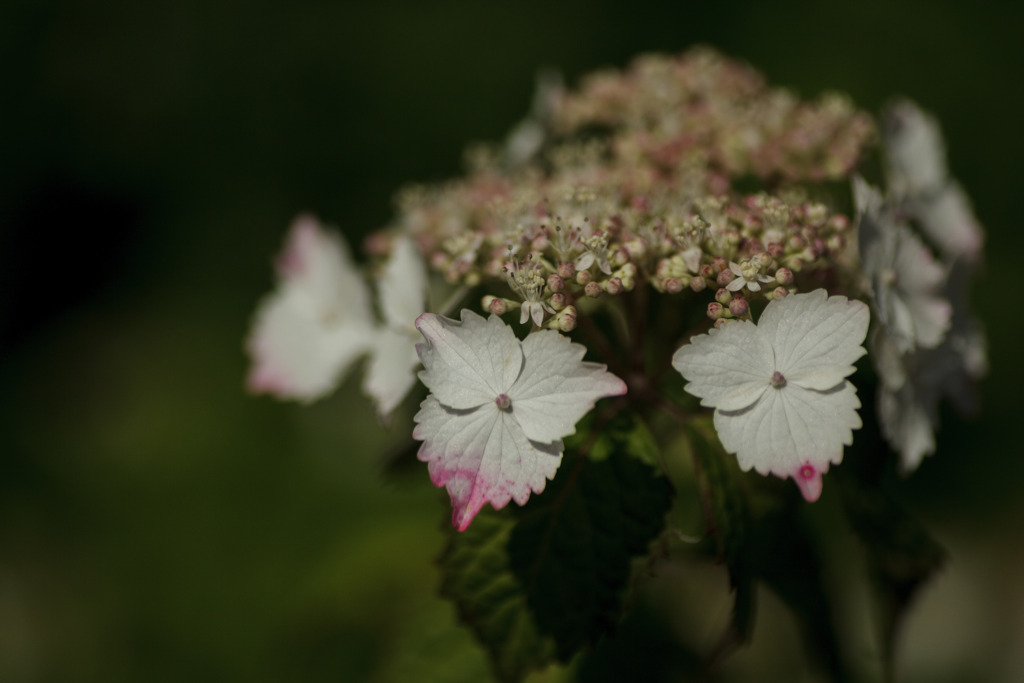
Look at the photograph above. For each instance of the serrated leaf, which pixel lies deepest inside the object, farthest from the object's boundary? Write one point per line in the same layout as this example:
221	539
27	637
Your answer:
477	577
541	582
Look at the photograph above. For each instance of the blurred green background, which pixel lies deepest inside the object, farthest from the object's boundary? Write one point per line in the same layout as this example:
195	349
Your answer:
158	524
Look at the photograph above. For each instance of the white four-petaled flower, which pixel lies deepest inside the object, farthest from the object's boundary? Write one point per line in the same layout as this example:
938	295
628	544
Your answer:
499	407
319	321
782	402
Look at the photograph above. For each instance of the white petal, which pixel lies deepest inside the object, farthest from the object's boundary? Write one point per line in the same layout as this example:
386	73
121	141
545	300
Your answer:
556	388
403	285
949	222
816	337
727	368
789	427
391	371
468	363
482	456
318	262
921	279
295	354
908	424
914	150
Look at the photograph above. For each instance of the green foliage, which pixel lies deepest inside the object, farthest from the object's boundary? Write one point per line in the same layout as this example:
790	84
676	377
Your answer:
539	583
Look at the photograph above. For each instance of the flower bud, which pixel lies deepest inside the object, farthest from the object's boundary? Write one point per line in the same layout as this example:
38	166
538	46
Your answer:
707	271
555	282
613	286
567	319
672	285
784	276
698	284
723	296
567	269
775	249
739	306
725	277
718	264
780	293
557	301
593	290
715	310
495	305
583	277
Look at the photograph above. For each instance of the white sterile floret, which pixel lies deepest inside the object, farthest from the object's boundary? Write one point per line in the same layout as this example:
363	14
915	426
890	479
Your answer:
782	402
401	292
906	281
915	155
499	407
318	321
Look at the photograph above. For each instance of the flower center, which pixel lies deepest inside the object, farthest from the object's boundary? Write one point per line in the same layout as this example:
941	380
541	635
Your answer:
503	402
778	381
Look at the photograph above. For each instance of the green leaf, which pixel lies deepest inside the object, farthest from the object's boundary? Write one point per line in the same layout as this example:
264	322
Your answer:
729	522
901	556
539	583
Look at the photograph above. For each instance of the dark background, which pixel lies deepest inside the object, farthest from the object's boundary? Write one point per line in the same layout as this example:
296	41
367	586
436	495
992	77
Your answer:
158	524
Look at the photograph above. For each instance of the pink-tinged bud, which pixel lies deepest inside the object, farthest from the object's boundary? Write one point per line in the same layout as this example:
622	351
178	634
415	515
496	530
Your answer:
839	222
784	276
567	269
715	310
503	402
593	290
698	284
739	306
497	306
761	258
557	301
776	250
613	286
780	293
718	264
796	264
620	258
540	243
673	285
808	479
567	320
723	296
720	323
708	271
583	277
725	277
555	282
796	243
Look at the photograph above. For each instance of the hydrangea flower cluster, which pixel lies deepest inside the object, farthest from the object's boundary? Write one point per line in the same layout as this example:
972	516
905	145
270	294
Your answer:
614	211
678	214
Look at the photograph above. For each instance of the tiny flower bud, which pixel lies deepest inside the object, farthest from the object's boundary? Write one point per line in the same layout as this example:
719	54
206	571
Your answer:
557	301
495	305
698	284
719	264
613	286
739	306
593	290
583	277
555	282
780	293
673	285
784	276
714	310
707	271
567	319
723	296
796	242
720	323
566	270
775	249
725	277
